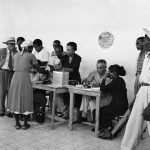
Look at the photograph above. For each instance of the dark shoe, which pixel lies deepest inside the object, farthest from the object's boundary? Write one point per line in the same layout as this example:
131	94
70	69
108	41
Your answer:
82	119
9	114
25	127
2	114
18	127
105	134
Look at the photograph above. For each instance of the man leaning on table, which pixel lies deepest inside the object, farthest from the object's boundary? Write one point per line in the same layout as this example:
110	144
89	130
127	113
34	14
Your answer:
94	79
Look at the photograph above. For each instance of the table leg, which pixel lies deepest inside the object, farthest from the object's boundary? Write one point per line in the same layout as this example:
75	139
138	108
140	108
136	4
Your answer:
97	115
53	110
71	111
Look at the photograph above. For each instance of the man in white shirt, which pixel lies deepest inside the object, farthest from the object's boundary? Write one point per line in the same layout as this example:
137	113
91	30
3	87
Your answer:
6	70
40	52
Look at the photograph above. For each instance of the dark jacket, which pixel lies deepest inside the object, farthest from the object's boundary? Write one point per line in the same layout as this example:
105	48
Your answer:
3	55
75	64
117	88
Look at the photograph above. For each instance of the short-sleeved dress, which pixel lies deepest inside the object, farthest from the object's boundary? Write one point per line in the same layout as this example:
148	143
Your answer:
20	97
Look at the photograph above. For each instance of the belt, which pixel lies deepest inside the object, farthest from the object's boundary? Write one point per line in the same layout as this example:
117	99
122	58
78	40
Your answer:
145	84
7	70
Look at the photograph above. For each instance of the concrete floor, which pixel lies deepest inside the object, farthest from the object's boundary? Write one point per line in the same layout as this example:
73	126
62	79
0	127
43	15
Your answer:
41	137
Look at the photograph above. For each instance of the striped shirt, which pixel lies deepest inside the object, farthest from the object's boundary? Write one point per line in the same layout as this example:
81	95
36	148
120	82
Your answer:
140	62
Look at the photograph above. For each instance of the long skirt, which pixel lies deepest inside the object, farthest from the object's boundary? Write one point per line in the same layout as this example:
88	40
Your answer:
20	97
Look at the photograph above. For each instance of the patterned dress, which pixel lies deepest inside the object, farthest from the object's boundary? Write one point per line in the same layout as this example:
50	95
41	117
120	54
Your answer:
20	97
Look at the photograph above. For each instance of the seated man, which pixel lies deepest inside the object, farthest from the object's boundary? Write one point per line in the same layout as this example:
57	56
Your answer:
94	79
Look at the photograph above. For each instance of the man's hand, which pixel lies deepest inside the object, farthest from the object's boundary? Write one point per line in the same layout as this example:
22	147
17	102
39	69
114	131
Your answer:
96	85
146	113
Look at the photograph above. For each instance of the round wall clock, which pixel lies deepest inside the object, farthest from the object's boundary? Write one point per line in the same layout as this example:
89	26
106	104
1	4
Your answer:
105	40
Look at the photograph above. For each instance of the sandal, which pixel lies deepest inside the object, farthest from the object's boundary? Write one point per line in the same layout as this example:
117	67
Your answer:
105	134
25	127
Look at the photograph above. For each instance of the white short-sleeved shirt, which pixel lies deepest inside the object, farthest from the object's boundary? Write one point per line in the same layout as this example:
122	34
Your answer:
55	62
43	55
5	65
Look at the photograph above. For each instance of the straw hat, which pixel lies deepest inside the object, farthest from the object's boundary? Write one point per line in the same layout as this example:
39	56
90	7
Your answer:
10	40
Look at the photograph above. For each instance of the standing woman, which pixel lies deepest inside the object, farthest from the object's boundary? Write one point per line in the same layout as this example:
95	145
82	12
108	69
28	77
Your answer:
20	98
71	63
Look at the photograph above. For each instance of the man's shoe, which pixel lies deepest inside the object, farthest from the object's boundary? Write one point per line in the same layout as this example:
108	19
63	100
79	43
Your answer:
81	119
25	127
18	126
2	114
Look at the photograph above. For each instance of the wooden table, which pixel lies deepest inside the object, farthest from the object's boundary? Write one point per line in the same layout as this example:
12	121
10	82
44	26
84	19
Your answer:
56	90
90	92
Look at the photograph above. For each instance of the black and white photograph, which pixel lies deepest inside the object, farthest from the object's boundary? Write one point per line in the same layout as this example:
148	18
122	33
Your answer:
75	75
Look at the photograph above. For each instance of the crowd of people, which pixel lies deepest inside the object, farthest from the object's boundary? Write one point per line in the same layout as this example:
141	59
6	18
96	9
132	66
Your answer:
23	62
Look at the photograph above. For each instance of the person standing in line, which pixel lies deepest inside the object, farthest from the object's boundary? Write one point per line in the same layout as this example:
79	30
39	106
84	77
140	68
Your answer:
6	70
20	40
55	44
54	64
41	54
20	97
71	63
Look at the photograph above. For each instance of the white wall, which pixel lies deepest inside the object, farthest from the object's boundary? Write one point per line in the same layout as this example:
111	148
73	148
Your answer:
81	21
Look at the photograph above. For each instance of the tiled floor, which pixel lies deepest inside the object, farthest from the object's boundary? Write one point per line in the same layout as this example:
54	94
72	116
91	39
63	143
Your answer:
41	137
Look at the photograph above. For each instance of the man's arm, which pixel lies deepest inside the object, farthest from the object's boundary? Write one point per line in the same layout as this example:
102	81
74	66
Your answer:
42	63
146	113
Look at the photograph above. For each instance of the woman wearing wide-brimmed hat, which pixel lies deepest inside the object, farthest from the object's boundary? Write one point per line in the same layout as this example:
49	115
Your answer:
20	97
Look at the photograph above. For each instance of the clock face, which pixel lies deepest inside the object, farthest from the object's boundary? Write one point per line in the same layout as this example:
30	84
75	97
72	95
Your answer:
105	40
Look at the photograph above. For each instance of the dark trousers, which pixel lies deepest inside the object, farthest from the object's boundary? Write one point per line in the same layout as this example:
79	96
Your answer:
78	99
39	100
5	80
